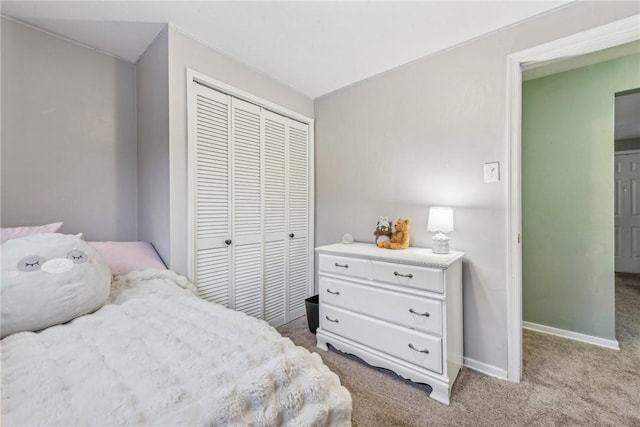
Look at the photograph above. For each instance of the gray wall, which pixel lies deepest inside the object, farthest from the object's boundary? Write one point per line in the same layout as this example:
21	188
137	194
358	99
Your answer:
418	136
184	53
153	145
68	136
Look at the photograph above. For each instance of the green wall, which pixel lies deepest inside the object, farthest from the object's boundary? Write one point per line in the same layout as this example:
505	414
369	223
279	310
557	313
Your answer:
567	192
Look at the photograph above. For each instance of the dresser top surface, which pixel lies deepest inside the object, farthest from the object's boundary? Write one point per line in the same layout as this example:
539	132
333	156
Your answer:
411	255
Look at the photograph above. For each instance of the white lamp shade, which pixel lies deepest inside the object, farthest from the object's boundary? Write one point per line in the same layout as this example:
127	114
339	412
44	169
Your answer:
440	219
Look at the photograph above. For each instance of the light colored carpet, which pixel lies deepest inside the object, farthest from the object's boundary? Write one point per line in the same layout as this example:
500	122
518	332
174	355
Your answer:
564	382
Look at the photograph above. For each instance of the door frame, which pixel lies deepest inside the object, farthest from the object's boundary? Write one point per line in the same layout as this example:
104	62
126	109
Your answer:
603	37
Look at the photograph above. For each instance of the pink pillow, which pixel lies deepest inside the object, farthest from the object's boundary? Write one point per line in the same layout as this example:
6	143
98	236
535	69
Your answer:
17	232
123	257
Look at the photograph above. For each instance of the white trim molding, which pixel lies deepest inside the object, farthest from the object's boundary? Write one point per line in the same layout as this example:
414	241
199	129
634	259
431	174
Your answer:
602	342
486	369
603	37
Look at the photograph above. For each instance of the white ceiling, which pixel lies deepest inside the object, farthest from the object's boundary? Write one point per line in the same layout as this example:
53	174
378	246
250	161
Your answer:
313	47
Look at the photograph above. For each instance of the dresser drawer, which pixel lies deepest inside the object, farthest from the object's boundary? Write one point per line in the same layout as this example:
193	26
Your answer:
428	279
419	313
412	346
345	266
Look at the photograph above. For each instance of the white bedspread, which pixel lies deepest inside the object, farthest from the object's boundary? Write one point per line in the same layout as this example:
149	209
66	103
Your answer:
157	355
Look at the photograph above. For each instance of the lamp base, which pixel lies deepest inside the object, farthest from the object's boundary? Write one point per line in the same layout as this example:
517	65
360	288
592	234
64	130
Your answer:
440	244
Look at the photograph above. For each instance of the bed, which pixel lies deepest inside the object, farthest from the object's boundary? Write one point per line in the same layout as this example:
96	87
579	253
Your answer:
156	354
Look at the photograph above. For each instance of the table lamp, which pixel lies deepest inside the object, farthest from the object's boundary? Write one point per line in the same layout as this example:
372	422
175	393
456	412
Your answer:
440	222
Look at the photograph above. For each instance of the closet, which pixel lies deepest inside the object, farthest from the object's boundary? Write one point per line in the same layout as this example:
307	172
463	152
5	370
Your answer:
249	180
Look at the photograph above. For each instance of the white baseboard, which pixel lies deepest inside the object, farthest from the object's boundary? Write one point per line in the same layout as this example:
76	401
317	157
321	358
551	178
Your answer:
485	368
602	342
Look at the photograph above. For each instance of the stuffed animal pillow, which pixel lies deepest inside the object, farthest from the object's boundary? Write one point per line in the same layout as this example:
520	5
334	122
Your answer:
48	279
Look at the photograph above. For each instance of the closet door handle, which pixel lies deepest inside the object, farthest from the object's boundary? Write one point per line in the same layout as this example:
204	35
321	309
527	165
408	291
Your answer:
341	265
334	293
334	320
425	351
425	314
227	242
292	235
410	276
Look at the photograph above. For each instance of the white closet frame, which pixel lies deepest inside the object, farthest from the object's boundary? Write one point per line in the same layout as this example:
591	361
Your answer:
195	76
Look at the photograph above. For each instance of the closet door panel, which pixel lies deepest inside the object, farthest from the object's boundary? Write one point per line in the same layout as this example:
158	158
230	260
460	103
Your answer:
274	282
274	192
275	132
246	183
298	178
212	195
246	172
298	216
212	272
298	276
247	271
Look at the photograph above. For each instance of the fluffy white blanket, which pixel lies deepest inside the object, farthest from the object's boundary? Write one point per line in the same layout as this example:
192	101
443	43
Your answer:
158	355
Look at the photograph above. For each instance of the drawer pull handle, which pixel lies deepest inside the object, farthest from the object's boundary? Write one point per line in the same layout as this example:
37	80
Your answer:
342	265
334	320
334	293
425	351
425	314
410	276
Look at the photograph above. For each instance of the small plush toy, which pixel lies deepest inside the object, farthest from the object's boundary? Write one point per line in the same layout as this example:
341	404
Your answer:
400	237
383	230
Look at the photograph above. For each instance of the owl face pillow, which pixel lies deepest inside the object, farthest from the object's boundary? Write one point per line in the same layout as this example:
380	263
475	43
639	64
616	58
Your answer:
48	279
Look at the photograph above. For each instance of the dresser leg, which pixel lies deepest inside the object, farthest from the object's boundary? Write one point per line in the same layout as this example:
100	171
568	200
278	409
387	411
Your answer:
439	393
321	343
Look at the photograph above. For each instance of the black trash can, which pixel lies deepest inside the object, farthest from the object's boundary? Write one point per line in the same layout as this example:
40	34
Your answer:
312	305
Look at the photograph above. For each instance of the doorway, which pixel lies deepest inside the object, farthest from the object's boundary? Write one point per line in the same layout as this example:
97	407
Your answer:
627	182
613	34
567	192
627	213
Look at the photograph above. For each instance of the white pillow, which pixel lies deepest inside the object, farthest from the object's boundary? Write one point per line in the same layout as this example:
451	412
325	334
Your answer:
48	279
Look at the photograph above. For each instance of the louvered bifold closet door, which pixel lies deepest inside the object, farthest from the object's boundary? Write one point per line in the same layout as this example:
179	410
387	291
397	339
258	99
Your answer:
298	217
275	147
246	208
212	195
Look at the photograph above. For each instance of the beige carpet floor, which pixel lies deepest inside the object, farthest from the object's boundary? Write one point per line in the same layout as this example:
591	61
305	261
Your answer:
565	382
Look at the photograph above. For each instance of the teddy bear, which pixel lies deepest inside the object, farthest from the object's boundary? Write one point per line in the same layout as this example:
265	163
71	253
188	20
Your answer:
400	237
383	230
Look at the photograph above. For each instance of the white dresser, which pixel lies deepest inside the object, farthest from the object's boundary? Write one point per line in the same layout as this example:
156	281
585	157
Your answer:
396	309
